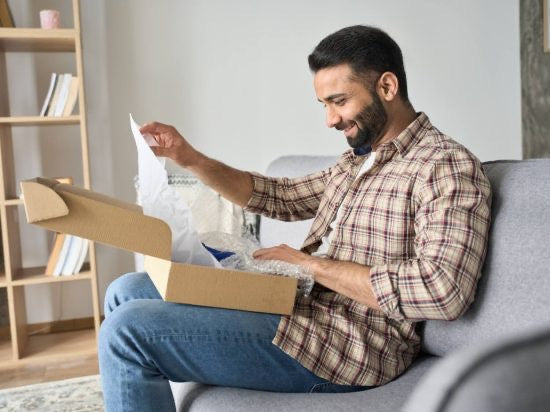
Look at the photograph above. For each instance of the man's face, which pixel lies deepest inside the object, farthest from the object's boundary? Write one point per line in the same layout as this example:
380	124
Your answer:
351	107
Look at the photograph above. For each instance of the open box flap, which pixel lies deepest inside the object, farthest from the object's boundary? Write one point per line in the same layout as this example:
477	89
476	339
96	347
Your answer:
42	202
81	212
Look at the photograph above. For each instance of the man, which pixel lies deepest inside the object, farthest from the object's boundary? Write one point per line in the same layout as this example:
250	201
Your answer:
399	236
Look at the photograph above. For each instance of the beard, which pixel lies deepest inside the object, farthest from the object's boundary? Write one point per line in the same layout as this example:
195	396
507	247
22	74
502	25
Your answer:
373	120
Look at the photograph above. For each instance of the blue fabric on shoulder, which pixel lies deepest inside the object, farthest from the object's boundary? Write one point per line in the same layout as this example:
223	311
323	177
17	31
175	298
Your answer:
362	151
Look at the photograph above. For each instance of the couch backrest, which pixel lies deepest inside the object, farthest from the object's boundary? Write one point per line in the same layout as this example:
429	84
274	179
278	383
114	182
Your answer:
513	294
274	232
514	291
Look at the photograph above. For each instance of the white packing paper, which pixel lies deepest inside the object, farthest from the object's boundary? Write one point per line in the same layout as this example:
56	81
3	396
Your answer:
162	201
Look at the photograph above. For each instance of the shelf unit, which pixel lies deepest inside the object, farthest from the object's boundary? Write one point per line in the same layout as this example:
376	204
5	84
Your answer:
18	346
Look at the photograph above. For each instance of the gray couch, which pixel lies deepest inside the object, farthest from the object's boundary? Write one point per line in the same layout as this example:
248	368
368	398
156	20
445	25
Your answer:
495	358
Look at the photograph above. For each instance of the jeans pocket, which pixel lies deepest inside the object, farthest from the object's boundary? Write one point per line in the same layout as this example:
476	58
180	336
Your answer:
329	387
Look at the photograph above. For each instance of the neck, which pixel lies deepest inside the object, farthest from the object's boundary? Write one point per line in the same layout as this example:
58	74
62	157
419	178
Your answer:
402	115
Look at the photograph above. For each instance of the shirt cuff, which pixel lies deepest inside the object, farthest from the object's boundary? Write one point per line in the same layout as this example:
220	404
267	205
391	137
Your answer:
258	200
384	285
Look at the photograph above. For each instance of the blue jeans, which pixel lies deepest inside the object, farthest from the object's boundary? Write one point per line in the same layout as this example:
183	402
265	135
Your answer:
144	342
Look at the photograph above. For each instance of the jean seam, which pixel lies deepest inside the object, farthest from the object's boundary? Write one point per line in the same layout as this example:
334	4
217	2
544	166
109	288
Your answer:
318	385
126	390
152	338
140	340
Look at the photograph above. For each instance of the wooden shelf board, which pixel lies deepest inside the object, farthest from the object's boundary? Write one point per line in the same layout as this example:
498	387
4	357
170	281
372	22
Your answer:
6	354
36	40
49	347
78	342
13	202
33	276
40	120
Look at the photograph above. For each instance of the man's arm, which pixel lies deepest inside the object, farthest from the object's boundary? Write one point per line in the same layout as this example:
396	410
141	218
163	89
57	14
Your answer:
278	198
451	231
233	184
347	278
451	225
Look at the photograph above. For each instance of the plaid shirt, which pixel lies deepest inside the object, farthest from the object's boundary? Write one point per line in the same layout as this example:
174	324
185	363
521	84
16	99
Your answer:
419	218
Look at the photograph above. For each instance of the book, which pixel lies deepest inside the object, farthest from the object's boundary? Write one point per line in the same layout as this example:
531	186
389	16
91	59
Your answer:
55	95
62	255
73	255
48	98
82	257
59	240
72	98
6	20
59	243
63	94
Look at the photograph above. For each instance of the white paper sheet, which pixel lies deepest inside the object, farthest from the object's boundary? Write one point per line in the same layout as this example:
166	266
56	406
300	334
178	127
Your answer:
160	200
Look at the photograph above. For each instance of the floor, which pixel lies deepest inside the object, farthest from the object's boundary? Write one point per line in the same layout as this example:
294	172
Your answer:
27	375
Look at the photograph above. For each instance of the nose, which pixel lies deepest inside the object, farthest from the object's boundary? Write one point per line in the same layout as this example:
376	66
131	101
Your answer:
333	118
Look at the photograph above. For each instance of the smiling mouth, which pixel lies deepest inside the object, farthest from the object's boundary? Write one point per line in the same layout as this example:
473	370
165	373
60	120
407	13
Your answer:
349	129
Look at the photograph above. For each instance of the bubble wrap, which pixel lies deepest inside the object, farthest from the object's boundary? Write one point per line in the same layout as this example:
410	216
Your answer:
244	247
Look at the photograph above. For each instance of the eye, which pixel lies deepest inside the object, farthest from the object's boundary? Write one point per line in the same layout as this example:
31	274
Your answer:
340	102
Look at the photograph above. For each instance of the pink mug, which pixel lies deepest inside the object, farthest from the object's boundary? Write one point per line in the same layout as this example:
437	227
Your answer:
49	19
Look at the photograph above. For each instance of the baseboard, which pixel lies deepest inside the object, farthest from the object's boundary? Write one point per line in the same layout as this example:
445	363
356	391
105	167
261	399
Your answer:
55	326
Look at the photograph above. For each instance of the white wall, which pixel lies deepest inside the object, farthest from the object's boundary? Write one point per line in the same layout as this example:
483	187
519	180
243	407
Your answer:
233	77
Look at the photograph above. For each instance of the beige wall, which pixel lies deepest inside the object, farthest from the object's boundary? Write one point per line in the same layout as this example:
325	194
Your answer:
232	75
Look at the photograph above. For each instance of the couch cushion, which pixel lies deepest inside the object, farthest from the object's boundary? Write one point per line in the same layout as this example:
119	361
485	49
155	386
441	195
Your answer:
274	232
513	292
387	398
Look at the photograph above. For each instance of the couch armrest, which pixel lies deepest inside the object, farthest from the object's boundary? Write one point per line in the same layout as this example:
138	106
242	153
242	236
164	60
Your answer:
508	375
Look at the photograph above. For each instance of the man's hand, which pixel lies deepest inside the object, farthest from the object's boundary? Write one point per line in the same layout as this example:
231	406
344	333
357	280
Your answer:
284	253
233	184
348	278
171	143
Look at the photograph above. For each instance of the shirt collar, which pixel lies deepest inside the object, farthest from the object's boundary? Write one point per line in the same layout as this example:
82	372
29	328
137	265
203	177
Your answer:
402	142
411	134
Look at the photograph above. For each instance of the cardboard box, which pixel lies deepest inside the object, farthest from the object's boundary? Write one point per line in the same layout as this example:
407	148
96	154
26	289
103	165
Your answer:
76	211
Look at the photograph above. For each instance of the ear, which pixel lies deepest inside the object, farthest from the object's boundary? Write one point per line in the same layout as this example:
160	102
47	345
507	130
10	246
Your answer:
388	86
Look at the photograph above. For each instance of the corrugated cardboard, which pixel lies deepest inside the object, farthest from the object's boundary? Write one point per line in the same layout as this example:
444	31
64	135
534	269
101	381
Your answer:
76	211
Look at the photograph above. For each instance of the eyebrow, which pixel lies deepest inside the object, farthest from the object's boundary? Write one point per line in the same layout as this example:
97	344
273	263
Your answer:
332	97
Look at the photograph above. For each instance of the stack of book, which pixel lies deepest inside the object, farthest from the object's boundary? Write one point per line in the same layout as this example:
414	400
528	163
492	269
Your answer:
62	95
68	251
6	19
67	255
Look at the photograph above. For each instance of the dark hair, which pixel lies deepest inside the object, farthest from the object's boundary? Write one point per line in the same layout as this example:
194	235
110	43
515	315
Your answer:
366	49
